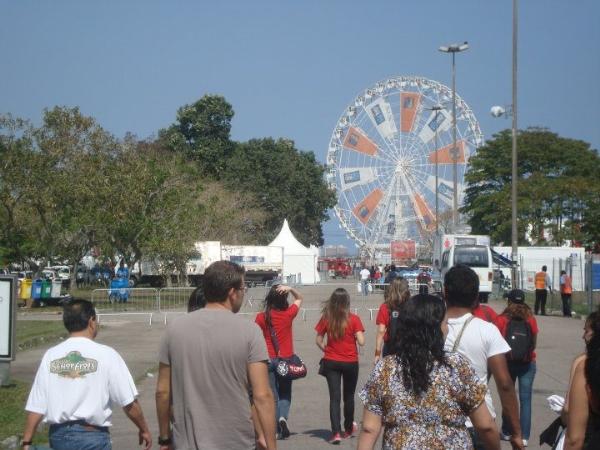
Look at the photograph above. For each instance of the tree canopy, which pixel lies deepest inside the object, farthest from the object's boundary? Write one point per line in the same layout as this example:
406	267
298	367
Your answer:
557	187
284	181
68	186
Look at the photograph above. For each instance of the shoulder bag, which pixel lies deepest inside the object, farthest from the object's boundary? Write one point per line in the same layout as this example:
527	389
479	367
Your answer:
291	368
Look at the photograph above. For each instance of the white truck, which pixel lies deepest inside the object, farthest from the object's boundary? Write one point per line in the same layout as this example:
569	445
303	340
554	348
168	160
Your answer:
262	263
468	249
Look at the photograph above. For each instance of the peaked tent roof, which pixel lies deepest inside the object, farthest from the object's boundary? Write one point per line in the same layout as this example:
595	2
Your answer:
287	240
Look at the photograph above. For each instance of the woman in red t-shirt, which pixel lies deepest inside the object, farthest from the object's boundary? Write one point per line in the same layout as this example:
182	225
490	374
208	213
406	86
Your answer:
278	317
524	370
344	330
396	293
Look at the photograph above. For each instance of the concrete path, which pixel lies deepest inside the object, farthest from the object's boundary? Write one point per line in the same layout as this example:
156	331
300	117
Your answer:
558	343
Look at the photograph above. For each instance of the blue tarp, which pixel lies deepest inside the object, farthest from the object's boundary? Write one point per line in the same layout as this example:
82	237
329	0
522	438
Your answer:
596	275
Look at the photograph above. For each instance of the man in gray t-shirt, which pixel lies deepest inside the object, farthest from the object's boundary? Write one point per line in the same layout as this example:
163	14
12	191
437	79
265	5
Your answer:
209	361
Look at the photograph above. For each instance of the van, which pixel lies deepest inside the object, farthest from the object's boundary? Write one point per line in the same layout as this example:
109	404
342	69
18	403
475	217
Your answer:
478	258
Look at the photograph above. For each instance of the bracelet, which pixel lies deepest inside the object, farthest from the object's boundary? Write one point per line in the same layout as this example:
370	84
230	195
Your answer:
26	443
164	441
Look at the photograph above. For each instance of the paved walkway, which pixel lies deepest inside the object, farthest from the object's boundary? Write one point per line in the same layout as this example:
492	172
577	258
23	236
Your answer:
559	341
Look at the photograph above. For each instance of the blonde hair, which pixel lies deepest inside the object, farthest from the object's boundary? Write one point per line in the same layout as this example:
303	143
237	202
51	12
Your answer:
396	293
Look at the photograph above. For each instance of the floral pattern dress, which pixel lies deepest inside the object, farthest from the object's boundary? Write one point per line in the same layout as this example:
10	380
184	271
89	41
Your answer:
436	419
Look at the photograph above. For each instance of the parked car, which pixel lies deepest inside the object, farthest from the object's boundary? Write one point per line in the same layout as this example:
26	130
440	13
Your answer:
63	272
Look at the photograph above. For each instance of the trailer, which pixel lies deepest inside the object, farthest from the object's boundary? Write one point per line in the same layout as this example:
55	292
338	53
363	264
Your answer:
531	260
262	263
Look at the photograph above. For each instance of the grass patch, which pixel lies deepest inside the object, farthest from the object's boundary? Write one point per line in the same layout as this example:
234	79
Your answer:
12	412
33	333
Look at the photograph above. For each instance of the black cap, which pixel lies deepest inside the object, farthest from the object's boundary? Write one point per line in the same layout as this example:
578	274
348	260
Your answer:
516	296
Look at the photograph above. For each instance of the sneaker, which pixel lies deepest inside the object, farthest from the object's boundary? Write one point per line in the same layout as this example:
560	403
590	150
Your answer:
349	433
525	443
505	437
336	439
283	426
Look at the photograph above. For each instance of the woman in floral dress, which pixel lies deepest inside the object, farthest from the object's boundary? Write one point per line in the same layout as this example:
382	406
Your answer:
420	395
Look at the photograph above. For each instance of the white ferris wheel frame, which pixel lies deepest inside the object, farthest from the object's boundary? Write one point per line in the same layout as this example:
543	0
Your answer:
396	150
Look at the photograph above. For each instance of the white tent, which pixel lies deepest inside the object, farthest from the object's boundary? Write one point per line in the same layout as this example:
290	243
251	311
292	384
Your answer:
298	260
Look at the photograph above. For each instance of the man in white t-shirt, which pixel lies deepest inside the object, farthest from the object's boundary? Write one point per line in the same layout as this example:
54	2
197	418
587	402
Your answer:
365	274
481	343
76	386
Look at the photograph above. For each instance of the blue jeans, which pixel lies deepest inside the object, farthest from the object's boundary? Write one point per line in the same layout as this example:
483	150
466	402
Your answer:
525	373
282	391
365	287
78	437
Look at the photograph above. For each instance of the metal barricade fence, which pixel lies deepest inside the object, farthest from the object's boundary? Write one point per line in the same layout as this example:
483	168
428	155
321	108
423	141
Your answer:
174	298
125	300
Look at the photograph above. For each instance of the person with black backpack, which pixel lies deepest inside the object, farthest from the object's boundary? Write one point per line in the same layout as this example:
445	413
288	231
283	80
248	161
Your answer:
518	326
396	293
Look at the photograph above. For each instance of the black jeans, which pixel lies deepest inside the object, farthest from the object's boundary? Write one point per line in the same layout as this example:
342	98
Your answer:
540	301
334	372
566	304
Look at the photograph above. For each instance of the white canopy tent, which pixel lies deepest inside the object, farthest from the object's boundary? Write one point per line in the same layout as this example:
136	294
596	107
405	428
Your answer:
298	260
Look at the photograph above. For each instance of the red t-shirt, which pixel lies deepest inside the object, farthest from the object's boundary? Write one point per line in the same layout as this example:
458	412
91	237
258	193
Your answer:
383	318
502	322
281	321
344	349
486	313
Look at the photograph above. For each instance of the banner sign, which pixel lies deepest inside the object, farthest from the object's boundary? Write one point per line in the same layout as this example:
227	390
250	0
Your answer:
403	250
8	316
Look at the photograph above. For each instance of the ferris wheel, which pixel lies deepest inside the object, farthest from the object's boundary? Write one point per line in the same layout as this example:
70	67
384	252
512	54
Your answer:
383	157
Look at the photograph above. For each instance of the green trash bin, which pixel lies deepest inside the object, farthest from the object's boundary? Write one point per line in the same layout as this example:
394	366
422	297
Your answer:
46	289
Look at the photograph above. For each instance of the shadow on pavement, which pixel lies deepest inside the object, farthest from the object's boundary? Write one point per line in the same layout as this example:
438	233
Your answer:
319	433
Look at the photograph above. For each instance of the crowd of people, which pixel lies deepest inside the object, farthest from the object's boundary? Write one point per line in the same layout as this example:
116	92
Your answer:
226	383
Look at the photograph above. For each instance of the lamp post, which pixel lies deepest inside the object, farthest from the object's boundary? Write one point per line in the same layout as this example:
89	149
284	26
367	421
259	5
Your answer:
437	109
454	49
498	111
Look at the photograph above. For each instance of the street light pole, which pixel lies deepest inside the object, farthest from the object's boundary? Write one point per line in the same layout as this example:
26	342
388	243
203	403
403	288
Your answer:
437	109
514	231
454	48
498	111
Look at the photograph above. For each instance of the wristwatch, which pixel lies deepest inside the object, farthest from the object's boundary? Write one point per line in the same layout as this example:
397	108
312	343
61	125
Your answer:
26	443
164	440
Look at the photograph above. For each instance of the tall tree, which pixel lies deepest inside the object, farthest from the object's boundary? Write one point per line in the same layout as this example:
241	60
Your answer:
555	174
202	133
17	243
287	183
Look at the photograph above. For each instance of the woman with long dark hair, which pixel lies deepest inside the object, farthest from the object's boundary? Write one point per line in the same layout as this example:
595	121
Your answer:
420	395
583	418
518	317
396	293
340	361
276	323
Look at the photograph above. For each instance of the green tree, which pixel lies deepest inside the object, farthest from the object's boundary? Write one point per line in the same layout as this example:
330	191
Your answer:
287	183
16	151
202	133
556	176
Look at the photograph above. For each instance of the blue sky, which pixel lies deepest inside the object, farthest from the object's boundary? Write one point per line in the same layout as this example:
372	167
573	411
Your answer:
289	68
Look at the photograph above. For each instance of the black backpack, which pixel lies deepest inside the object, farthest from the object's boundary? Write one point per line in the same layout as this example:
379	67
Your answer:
520	339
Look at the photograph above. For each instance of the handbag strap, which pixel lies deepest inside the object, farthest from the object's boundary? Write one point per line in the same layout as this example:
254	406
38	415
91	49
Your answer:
462	330
274	340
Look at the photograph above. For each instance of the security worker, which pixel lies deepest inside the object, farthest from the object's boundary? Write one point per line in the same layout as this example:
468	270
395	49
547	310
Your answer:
542	284
566	289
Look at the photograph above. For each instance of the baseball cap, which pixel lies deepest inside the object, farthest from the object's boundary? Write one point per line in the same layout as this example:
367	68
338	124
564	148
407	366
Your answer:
516	296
